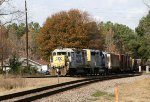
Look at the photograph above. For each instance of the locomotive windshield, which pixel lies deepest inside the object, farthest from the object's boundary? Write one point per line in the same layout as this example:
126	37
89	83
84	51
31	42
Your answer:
61	53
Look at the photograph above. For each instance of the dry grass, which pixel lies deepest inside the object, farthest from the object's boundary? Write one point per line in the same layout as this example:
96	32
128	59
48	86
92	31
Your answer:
135	92
138	91
11	82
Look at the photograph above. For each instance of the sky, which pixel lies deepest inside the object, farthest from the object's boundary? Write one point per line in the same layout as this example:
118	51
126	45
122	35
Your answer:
127	12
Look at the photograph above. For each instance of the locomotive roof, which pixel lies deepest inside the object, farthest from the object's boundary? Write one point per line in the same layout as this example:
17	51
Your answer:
65	50
92	50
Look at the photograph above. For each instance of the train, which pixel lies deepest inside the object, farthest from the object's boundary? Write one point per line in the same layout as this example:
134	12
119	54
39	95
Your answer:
72	61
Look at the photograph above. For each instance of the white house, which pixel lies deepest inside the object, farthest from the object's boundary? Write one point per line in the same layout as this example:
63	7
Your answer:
41	65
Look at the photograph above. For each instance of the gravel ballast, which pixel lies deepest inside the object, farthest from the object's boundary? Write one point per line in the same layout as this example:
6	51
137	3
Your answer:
84	94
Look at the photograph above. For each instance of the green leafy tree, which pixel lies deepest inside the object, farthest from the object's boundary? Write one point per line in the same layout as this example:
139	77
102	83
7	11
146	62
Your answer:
123	36
144	26
21	30
118	38
143	31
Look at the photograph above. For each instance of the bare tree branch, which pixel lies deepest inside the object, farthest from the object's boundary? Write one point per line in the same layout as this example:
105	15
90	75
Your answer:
9	13
2	14
2	1
146	3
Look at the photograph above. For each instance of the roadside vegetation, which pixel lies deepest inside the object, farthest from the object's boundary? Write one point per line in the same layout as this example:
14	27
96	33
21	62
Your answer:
16	67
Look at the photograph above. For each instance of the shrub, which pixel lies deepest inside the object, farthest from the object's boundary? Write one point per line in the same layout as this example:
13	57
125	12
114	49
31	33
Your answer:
28	70
15	65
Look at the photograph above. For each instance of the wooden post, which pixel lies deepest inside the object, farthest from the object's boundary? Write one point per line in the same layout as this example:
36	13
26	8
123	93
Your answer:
116	93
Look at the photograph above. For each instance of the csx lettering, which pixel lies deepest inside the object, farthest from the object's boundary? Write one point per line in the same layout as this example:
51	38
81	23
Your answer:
58	58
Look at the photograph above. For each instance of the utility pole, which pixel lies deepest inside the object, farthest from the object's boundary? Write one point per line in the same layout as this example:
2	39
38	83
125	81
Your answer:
2	58
26	33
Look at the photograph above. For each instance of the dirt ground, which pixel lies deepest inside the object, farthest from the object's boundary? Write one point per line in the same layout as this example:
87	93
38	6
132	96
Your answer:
138	91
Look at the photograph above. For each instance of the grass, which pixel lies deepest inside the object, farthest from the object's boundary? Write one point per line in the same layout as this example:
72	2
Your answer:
99	93
11	83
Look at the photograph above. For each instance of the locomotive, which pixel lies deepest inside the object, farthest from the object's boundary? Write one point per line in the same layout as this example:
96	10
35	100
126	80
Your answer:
72	61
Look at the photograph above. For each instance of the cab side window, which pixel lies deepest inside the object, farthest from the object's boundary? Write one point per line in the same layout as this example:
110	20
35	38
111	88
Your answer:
54	53
69	54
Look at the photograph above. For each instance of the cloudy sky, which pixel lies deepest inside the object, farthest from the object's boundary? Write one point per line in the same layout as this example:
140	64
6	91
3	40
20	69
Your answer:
127	12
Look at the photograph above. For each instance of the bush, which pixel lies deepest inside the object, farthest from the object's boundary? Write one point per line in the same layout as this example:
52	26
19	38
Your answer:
15	65
1	71
17	69
28	70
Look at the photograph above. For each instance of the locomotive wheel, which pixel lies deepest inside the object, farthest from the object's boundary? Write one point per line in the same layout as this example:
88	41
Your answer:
53	72
63	71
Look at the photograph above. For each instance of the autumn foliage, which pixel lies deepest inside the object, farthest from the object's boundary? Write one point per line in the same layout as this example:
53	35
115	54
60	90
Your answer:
73	29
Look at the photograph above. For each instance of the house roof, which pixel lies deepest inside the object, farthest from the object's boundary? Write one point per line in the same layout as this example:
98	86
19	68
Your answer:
42	62
38	62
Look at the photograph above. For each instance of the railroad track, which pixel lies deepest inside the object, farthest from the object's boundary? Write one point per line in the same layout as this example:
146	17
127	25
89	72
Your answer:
35	94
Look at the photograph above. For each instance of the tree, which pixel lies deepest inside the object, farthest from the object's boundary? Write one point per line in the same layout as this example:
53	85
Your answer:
143	31
8	13
96	38
4	45
73	29
13	38
117	37
33	47
17	38
107	32
147	3
123	36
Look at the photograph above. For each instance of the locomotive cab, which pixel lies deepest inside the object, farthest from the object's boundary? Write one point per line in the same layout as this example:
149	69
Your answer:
66	60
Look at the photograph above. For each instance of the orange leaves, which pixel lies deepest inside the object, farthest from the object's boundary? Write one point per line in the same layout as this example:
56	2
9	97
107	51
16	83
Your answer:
71	28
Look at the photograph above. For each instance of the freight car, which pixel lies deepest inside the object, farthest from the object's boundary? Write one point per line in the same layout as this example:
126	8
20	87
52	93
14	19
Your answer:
72	61
118	62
